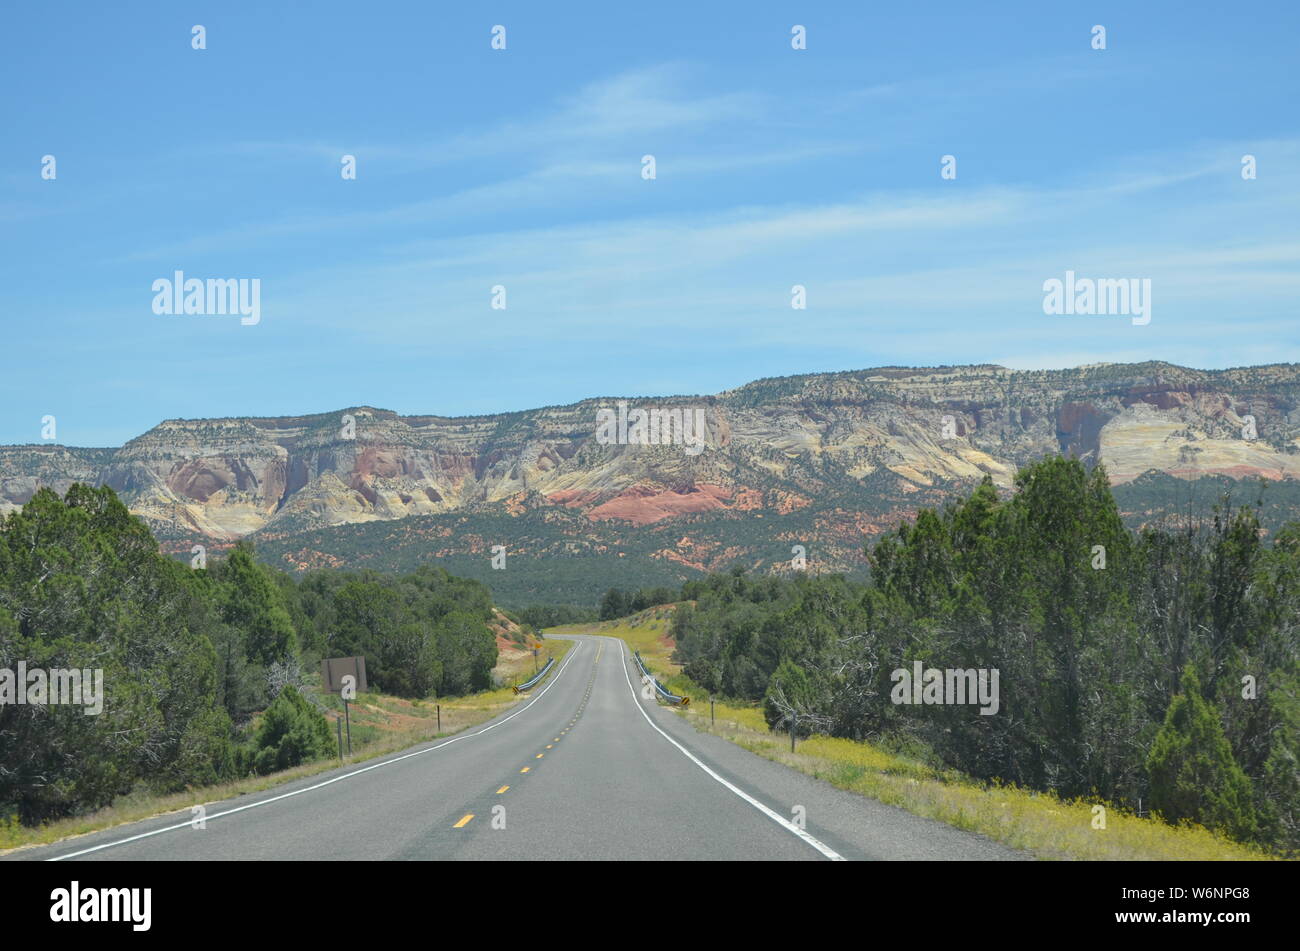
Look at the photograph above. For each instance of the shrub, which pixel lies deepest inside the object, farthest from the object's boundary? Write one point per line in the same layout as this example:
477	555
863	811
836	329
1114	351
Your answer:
291	732
1193	774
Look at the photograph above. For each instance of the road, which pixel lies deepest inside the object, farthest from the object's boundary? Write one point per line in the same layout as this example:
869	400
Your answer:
584	769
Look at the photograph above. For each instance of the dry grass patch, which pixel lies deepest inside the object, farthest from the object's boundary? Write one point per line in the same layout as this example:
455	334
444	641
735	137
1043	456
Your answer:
1040	823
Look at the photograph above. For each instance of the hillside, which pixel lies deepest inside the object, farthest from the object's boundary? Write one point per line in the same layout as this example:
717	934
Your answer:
823	460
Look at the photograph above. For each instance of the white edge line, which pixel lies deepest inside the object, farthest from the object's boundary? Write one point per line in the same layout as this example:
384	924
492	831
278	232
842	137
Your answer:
306	789
776	817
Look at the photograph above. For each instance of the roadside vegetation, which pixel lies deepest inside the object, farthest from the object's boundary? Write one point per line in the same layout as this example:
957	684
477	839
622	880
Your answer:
382	724
211	673
1155	673
1041	823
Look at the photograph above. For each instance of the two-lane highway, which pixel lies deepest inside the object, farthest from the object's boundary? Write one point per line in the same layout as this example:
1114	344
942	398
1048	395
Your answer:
586	768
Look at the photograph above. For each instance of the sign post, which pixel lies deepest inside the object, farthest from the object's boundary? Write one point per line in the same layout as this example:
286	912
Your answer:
344	676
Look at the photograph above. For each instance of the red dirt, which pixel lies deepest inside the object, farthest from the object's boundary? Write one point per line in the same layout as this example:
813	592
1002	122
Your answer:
643	505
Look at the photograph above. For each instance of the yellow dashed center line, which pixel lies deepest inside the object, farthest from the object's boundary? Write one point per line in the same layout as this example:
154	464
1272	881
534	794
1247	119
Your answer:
525	769
464	821
502	789
539	755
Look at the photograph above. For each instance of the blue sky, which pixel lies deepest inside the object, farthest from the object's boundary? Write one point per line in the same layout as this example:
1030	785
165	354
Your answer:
522	168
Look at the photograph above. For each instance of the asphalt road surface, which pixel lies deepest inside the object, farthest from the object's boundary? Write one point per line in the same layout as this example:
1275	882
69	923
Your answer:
584	769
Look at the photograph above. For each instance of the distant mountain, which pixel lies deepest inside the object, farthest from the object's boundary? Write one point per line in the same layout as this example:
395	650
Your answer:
821	460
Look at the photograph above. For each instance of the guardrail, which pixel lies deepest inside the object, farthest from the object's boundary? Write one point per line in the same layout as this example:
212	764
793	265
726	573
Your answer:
670	697
519	688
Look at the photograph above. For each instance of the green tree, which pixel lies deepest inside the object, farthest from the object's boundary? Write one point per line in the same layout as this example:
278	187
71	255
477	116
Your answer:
1193	774
468	652
83	585
789	695
614	605
254	605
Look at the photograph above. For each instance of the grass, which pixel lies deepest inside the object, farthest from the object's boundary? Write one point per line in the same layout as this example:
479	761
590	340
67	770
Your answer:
647	632
1036	822
381	724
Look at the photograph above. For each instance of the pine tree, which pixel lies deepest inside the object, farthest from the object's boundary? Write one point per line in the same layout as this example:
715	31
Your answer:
255	605
789	693
614	605
292	731
1193	774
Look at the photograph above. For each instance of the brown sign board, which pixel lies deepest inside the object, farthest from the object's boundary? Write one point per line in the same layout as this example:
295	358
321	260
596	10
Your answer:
334	669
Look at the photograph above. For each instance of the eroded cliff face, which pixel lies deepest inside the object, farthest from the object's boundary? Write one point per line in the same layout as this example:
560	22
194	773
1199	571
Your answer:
770	446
